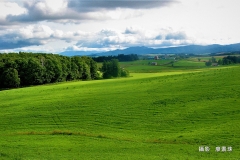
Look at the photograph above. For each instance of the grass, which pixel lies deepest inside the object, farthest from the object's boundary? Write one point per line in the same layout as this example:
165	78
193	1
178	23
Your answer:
161	115
142	66
205	58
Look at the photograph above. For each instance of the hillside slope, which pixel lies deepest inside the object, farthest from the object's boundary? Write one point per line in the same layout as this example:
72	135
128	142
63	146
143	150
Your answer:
147	116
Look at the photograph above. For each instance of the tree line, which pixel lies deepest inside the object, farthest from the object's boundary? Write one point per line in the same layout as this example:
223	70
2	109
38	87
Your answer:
229	60
23	69
120	58
224	61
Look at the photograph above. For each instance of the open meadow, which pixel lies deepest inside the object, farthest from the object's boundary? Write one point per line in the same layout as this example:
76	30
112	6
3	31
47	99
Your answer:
144	66
159	112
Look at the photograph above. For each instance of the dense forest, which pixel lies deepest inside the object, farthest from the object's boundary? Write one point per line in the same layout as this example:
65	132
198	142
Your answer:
24	69
120	57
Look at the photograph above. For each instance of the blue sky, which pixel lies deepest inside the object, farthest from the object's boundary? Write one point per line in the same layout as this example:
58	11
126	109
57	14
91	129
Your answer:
102	25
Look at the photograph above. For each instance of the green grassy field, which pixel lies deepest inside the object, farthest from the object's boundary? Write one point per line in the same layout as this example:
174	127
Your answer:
142	66
205	58
161	115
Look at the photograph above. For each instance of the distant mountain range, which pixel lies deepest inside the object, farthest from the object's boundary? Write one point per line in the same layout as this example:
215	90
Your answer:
191	49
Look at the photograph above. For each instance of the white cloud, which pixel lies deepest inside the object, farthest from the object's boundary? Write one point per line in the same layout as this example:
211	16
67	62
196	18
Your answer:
11	8
120	13
79	25
27	36
132	36
68	11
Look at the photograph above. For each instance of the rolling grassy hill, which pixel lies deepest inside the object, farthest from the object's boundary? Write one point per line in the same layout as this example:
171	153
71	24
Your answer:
143	66
165	115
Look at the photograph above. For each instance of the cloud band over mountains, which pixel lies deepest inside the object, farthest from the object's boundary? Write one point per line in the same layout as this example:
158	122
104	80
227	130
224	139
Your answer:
40	34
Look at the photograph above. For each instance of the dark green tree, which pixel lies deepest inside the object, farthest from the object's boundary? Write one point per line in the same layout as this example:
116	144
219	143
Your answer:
80	64
226	61
220	62
213	60
10	78
86	75
116	71
106	69
65	71
111	69
1	73
124	72
23	72
49	71
209	63
93	69
74	73
35	72
53	70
